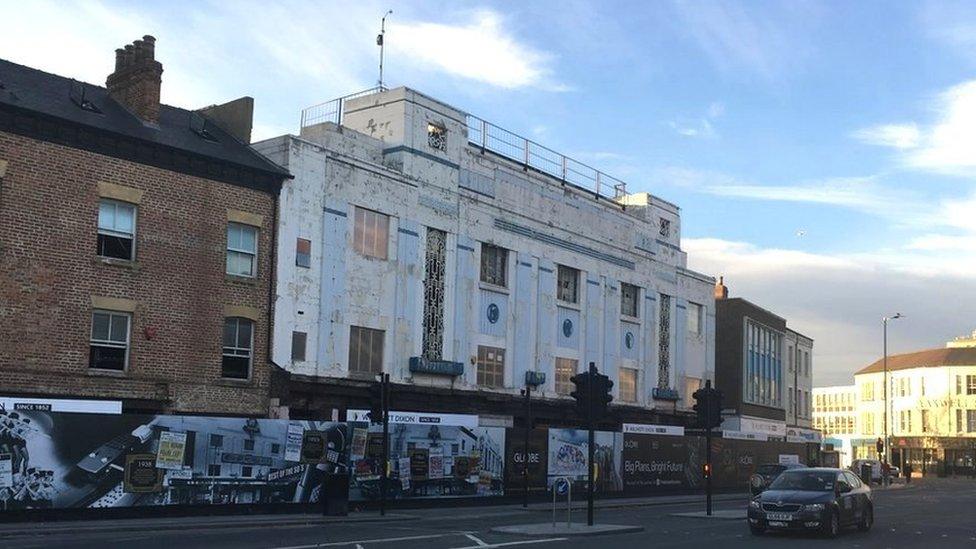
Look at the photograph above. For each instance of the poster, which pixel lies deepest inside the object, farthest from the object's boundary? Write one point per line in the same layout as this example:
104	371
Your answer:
74	460
358	450
172	446
293	443
653	463
6	471
443	461
568	455
515	458
142	476
403	471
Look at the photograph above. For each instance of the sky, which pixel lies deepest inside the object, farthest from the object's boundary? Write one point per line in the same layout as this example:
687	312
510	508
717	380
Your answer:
823	154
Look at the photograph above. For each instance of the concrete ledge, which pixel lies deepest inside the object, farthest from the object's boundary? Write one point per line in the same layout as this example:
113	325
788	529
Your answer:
725	514
561	529
8	531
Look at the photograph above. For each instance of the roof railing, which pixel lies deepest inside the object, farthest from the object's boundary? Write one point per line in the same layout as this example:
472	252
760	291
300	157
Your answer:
489	137
528	153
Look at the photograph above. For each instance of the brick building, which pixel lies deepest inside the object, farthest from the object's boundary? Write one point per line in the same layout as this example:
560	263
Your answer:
136	243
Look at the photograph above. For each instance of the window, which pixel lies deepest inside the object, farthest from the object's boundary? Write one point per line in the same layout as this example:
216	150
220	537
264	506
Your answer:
247	471
213	470
298	340
567	286
664	227
275	448
867	391
958	385
242	249
116	229
216	441
628	385
695	318
435	264
971	385
371	233
494	265
629	295
109	345
565	369
922	381
437	137
792	407
491	366
971	421
238	341
248	444
789	353
303	252
365	350
692	384
926	427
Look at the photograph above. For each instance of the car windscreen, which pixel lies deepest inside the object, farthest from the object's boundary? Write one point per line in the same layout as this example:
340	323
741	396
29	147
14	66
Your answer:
770	470
807	481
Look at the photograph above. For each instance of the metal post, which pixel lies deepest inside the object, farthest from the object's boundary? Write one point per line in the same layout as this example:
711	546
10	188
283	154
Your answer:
484	136
525	456
708	447
884	455
564	167
589	450
526	154
569	504
382	42
385	399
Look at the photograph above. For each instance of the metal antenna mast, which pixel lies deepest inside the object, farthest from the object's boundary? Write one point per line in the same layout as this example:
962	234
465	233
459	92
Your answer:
379	42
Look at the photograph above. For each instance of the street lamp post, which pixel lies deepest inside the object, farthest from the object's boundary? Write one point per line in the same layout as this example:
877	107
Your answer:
887	446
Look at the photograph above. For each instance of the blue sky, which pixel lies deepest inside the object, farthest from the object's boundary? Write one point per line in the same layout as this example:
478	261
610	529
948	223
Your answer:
823	153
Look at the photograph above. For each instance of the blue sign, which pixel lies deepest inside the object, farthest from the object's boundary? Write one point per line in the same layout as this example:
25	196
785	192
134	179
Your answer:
629	340
535	378
568	328
420	365
493	313
665	394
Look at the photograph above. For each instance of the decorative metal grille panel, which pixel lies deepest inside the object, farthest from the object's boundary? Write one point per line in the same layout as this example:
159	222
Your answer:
434	264
437	137
664	344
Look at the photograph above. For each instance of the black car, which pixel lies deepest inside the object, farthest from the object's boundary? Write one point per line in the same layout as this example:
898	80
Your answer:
812	499
767	473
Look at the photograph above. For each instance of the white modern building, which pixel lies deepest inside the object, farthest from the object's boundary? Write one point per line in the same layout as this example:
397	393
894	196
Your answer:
835	415
467	262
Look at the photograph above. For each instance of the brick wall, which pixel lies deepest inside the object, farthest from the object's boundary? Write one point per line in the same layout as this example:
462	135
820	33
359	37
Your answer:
49	272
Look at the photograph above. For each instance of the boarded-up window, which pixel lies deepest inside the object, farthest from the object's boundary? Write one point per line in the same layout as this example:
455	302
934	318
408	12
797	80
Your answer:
491	366
371	233
298	340
365	350
303	253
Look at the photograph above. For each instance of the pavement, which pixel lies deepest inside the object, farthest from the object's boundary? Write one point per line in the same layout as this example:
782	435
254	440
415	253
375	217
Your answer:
929	513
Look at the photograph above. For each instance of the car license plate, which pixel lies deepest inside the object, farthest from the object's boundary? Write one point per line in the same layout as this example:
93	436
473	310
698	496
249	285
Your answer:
779	516
774	524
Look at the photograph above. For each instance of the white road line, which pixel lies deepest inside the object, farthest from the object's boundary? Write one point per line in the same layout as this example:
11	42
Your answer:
358	542
475	539
511	543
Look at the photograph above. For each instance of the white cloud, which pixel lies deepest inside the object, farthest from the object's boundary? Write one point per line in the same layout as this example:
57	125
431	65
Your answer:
946	145
482	50
899	136
839	299
942	242
699	126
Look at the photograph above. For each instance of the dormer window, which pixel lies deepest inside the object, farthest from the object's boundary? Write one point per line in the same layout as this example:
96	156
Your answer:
437	136
665	228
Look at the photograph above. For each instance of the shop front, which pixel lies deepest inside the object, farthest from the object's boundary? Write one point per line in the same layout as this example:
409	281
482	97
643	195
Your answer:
941	456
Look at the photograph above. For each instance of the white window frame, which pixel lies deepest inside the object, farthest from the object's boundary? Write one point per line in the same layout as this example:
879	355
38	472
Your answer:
696	311
238	252
482	363
92	342
379	247
237	352
637	297
487	267
113	232
571	272
573	365
620	378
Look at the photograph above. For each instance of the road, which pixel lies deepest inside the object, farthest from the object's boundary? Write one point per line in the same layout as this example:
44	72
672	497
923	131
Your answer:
930	513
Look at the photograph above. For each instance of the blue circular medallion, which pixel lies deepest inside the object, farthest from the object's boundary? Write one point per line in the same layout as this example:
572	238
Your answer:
493	313
568	328
629	340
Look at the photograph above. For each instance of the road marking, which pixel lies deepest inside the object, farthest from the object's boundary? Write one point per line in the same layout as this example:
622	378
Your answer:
358	542
511	543
475	539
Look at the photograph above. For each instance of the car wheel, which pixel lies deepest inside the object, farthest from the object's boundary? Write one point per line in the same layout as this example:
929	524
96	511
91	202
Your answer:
831	526
757	530
867	520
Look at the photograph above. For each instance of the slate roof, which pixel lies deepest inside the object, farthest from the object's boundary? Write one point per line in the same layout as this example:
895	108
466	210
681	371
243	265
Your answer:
26	88
931	358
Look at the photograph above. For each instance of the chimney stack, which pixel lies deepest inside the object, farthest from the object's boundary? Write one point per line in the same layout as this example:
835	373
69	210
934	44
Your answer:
721	291
137	78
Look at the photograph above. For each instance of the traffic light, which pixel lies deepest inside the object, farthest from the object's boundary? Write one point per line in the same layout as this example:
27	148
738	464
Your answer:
592	384
708	406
